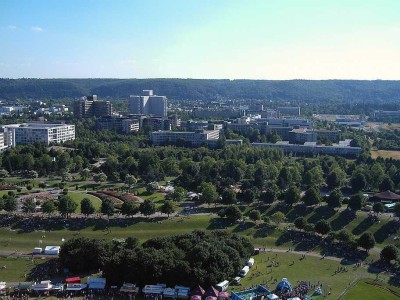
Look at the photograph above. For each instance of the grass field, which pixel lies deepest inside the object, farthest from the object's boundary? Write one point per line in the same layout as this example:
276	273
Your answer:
291	266
13	269
368	289
385	154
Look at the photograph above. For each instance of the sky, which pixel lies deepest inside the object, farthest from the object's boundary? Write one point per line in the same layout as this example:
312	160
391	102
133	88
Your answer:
215	39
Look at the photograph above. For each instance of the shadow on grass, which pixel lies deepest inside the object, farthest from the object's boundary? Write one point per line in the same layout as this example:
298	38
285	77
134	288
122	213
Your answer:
297	212
386	231
302	241
220	223
364	225
321	213
282	207
243	227
264	231
343	219
43	271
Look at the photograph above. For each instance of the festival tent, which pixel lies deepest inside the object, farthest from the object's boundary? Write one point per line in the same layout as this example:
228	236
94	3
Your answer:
182	291
52	250
22	287
153	290
295	298
169	293
223	295
96	283
73	280
198	290
129	288
42	286
272	297
37	250
212	292
284	285
58	287
3	287
76	287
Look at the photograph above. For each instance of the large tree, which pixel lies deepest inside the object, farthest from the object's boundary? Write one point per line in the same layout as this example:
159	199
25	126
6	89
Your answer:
209	193
233	213
228	196
178	194
292	195
48	207
129	208
366	241
10	204
130	180
389	253
29	206
312	196
167	208
66	205
356	201
87	207
334	199
255	215
322	227
271	194
358	182
107	207
147	207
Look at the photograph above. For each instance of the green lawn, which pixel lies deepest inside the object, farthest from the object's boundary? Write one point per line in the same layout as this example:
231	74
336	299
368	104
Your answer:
370	290
142	228
14	269
77	197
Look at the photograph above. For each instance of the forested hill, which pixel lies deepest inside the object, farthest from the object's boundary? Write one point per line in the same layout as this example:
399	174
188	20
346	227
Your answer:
295	91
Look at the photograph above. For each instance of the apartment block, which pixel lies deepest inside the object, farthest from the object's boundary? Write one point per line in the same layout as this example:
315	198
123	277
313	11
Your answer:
89	106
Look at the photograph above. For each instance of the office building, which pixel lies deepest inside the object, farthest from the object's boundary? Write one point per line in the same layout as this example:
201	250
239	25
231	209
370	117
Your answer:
148	104
342	148
31	132
289	111
119	124
195	138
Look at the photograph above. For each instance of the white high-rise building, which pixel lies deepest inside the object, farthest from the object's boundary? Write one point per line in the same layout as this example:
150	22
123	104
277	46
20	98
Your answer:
148	104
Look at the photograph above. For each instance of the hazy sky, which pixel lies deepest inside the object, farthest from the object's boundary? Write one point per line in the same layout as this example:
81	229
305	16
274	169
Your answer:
266	39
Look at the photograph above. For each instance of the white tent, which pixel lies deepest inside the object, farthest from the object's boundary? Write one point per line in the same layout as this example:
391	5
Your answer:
3	287
42	286
52	250
37	250
272	297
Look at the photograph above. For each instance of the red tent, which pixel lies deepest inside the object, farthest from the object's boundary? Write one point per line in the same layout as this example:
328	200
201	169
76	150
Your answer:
73	280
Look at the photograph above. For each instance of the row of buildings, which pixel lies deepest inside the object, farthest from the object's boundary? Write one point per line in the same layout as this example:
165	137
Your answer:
145	104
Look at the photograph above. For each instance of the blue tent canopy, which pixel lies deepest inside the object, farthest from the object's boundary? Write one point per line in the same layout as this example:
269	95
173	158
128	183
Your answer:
284	285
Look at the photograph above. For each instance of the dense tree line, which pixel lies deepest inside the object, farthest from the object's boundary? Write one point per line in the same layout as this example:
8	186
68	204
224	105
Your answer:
189	259
295	91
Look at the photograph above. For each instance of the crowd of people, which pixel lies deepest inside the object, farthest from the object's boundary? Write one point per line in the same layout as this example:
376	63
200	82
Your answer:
301	290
